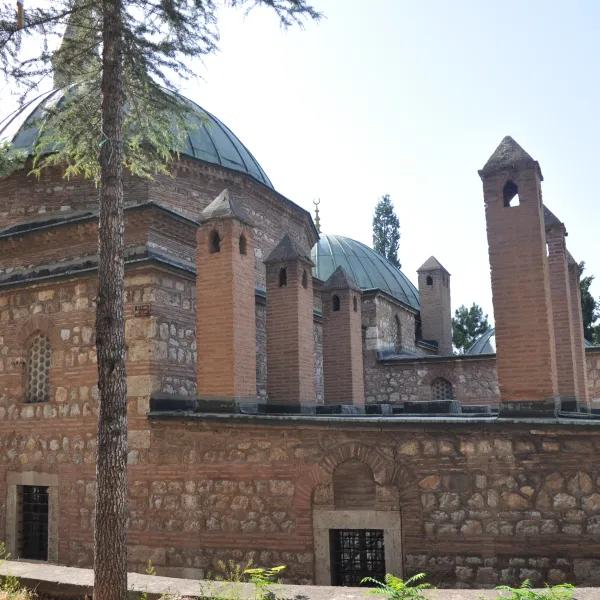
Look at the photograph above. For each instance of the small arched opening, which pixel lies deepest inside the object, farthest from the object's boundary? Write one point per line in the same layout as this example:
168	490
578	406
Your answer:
355	303
335	303
214	242
441	389
282	277
304	279
510	194
429	280
243	243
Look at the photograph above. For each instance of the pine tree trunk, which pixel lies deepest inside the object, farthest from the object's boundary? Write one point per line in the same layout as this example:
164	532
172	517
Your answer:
110	537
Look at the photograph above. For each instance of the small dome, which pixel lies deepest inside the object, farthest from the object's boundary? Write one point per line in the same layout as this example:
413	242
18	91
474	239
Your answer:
368	268
486	344
206	139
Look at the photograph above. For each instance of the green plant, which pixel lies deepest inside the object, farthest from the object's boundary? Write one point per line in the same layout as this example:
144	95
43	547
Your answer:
394	588
563	591
150	570
262	579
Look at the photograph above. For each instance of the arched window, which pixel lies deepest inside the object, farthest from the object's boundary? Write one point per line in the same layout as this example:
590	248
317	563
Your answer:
214	243
353	485
355	303
511	194
37	369
282	277
335	303
429	280
397	334
441	389
304	279
243	244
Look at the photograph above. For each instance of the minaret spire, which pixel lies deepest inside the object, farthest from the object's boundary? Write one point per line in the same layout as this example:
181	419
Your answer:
317	217
20	14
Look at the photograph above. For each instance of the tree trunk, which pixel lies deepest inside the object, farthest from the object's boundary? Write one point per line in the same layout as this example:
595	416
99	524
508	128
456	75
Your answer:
110	537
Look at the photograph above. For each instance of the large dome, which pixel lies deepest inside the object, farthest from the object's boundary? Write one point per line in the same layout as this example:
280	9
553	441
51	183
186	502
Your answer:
368	268
207	138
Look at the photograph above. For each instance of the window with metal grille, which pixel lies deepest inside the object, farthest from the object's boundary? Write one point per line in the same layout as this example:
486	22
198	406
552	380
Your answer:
356	554
441	389
37	374
32	539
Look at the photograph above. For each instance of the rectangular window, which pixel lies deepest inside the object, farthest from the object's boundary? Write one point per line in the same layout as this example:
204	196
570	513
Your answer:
355	554
32	536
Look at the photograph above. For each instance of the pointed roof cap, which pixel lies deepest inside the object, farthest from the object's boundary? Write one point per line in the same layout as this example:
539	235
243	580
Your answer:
551	220
225	206
432	264
288	251
340	280
508	155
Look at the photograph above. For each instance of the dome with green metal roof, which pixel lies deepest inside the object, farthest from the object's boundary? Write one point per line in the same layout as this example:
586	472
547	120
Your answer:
368	268
207	138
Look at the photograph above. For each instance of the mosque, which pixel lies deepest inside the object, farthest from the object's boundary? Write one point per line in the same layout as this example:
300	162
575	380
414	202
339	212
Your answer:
293	397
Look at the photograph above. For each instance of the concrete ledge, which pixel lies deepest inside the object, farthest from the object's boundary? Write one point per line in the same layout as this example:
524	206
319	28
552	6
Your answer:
71	583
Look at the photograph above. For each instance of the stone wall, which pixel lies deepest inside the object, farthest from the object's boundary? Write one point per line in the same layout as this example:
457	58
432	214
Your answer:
473	378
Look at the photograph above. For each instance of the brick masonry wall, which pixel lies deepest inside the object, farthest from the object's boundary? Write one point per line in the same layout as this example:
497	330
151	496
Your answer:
480	504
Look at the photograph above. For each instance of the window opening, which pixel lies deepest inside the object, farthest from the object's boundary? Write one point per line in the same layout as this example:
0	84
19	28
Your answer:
356	554
511	194
304	279
38	369
215	242
282	277
243	244
429	280
355	304
335	303
398	336
441	389
33	534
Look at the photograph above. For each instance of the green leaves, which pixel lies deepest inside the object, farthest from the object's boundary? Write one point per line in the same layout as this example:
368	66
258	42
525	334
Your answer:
262	578
395	588
564	591
468	324
10	160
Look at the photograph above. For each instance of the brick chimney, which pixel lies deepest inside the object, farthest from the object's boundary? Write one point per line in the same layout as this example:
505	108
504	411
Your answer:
581	382
342	340
225	314
290	328
436	315
525	347
562	313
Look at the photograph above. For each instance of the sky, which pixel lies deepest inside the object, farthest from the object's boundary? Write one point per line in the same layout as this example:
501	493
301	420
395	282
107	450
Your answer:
410	99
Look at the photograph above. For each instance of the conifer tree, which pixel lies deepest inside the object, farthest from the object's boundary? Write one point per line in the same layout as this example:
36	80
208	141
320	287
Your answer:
116	63
590	308
386	230
468	324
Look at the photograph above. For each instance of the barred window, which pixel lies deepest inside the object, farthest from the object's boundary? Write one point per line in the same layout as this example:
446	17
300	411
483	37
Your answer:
38	369
441	389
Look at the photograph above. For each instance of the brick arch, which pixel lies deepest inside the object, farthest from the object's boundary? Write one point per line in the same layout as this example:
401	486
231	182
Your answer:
38	324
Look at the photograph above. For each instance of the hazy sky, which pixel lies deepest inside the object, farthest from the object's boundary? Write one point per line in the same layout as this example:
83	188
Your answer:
410	99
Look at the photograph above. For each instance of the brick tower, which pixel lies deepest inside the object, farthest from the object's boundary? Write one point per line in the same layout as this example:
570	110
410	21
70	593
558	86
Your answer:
342	340
434	292
290	329
525	349
562	312
226	321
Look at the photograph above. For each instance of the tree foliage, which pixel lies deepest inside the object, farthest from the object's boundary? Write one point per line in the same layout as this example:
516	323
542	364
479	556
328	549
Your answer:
468	324
590	307
386	230
120	111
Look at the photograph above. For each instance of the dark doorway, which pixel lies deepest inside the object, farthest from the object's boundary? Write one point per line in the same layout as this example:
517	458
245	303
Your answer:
355	554
34	522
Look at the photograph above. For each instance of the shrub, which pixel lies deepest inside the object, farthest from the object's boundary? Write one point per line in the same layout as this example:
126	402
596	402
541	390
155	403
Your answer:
564	591
394	588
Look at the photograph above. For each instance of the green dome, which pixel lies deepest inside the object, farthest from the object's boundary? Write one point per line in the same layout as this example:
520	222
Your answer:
368	268
207	138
